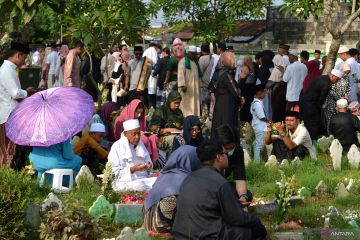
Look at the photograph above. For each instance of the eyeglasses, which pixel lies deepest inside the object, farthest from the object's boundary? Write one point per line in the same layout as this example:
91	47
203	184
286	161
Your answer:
195	130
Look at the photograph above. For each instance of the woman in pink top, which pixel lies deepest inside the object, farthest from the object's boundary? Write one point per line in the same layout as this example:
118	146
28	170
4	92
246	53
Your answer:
136	110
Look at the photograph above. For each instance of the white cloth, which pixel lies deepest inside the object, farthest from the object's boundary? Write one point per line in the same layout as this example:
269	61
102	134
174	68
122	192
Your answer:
35	59
131	124
59	72
216	61
258	112
294	75
10	90
51	60
301	136
354	75
123	156
152	82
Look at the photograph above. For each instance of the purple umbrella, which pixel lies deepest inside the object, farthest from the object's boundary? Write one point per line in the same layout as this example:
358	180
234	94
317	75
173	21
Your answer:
50	117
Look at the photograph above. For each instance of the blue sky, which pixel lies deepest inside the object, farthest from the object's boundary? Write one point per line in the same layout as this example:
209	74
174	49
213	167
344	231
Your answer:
159	19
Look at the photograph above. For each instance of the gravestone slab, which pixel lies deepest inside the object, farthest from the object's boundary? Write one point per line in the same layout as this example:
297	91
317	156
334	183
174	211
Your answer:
128	213
296	161
285	163
263	209
341	190
354	157
140	234
324	143
247	158
51	202
101	208
272	162
321	188
84	174
33	215
126	234
248	132
289	235
336	152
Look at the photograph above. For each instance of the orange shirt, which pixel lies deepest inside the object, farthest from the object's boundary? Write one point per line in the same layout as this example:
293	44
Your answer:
88	141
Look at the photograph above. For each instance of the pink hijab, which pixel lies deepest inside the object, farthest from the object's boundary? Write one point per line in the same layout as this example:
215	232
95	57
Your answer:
128	113
313	73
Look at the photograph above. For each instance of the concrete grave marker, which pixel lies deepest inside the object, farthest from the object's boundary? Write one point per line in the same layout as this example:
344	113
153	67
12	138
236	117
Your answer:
336	153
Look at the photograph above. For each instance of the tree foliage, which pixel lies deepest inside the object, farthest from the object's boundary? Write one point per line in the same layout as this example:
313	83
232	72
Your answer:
211	19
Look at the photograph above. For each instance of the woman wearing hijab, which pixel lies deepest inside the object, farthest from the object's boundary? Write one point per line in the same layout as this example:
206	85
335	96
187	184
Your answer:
118	77
313	73
136	110
247	83
160	205
105	113
191	133
226	110
167	121
59	69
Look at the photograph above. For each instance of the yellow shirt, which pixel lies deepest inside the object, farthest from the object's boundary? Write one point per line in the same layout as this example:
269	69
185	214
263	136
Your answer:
88	141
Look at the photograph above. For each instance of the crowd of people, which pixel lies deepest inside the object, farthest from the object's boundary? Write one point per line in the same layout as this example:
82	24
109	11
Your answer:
284	96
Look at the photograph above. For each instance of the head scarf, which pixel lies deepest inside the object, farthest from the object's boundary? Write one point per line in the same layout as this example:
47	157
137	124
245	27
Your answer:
227	60
47	52
264	71
189	122
64	50
126	114
178	48
313	73
105	115
180	163
354	106
116	56
164	117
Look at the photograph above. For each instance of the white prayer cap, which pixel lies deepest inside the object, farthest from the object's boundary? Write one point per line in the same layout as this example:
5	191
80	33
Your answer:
337	73
192	49
343	49
198	50
131	124
116	54
294	52
342	103
97	127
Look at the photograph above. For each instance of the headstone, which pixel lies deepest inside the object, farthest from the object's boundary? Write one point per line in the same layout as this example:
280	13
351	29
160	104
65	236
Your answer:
321	188
284	163
247	158
248	132
84	174
296	161
336	153
341	191
350	185
327	222
101	208
323	144
130	214
51	202
304	192
272	162
140	234
126	234
33	215
354	157
289	235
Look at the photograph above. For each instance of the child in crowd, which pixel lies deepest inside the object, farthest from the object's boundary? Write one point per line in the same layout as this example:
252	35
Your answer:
259	120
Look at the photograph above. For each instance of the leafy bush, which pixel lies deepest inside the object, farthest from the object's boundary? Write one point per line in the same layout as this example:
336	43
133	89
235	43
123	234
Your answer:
15	193
69	224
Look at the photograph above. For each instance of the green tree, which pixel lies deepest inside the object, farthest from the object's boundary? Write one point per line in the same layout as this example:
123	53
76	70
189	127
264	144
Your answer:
211	19
335	22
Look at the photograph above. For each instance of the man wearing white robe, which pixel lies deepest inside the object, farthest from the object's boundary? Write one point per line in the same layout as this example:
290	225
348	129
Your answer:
131	162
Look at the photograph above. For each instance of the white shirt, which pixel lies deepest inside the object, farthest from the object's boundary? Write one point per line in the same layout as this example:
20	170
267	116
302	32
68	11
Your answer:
51	60
301	136
294	75
35	59
257	111
152	82
10	90
286	59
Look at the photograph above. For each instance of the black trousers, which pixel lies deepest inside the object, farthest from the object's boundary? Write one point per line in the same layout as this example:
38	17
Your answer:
281	151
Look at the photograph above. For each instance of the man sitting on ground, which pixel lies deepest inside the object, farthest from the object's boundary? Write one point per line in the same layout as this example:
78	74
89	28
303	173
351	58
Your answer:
297	142
131	162
208	206
343	125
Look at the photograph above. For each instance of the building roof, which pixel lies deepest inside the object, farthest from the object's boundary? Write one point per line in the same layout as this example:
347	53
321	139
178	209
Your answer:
250	28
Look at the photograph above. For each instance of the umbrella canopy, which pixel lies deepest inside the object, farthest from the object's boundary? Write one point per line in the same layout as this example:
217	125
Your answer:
50	117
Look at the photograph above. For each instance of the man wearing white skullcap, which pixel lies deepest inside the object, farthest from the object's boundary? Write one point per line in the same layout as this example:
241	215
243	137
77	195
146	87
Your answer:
351	68
344	125
188	83
131	162
90	149
313	99
294	75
